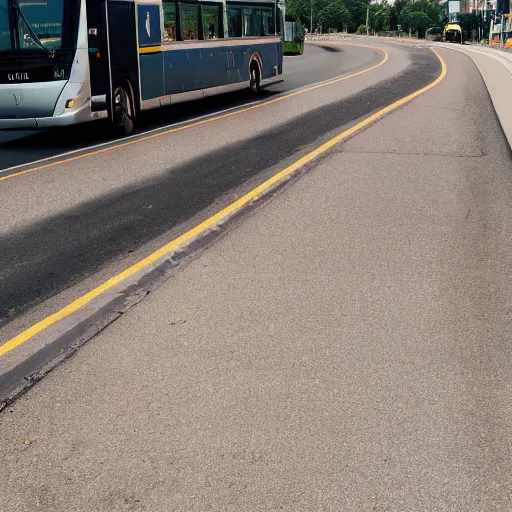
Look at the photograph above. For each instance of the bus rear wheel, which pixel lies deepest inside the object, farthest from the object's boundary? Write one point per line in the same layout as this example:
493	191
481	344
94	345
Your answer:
255	78
123	118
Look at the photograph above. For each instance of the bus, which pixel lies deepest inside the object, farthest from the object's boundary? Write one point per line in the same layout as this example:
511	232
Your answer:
64	62
453	33
293	38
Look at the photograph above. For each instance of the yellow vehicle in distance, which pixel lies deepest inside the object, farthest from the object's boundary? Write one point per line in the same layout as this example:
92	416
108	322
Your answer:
452	33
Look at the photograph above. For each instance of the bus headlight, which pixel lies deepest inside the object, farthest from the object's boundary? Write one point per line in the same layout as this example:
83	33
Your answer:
70	103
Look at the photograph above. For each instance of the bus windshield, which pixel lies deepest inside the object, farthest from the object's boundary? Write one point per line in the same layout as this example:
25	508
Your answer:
32	25
5	28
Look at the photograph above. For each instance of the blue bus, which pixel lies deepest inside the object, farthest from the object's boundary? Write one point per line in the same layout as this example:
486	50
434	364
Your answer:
64	62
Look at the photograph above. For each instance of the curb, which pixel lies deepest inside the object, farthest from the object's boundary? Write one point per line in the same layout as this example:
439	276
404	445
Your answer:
501	111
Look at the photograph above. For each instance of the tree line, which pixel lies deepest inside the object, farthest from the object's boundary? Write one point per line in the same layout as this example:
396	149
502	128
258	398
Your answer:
351	15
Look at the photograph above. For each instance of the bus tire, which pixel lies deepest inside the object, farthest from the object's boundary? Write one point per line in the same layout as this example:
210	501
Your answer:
255	74
123	117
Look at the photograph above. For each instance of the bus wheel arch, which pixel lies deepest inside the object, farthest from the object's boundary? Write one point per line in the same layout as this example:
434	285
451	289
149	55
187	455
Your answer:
135	102
125	110
255	72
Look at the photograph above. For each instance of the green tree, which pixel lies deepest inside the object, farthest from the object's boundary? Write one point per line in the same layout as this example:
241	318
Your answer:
469	21
357	10
419	15
299	10
416	21
395	11
380	17
334	15
351	14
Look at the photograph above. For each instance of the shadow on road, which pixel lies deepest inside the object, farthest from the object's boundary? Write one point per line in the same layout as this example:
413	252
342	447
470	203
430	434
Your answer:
48	256
28	147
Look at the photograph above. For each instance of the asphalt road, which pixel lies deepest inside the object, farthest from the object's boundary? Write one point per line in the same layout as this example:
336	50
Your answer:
64	224
315	65
346	347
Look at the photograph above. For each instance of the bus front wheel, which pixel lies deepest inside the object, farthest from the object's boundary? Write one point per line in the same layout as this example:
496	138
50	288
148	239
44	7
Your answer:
255	78
123	118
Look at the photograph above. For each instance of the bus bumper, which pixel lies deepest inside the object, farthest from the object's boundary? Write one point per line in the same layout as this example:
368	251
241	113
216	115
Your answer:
82	115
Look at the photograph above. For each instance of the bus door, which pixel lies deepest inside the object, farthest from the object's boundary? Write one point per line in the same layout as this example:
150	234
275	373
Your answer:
98	54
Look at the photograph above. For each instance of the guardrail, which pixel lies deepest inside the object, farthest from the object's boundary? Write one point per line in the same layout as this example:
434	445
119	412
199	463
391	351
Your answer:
349	37
329	37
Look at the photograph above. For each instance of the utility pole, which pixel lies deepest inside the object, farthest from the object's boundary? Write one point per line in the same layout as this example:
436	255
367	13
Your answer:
311	19
367	19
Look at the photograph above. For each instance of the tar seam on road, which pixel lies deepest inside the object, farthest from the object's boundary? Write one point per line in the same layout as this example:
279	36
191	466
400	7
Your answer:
205	121
211	222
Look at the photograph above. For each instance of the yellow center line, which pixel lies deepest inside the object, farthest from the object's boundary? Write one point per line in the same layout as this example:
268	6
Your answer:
215	219
205	121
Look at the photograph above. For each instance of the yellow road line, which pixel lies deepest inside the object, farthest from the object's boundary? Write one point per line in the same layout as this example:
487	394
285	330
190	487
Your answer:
205	121
215	219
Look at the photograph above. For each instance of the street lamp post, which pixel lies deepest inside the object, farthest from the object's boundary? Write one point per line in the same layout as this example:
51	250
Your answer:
501	32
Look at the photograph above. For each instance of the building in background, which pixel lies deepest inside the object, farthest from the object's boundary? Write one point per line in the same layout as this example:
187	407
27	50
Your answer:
452	9
500	30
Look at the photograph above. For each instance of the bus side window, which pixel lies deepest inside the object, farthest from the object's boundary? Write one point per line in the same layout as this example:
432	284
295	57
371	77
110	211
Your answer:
212	25
169	21
189	21
253	23
234	20
269	26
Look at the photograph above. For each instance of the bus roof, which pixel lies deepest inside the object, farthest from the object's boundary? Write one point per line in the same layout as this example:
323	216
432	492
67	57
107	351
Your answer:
453	26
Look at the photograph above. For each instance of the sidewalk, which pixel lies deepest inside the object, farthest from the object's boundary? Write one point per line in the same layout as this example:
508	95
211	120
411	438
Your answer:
346	348
495	66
